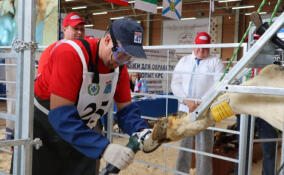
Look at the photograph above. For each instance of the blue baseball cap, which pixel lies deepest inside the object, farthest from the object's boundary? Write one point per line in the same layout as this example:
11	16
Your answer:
130	34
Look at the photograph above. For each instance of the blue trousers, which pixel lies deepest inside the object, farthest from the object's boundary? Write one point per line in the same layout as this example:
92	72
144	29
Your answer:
265	130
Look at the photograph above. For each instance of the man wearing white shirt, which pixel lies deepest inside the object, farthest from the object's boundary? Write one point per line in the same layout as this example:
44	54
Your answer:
206	71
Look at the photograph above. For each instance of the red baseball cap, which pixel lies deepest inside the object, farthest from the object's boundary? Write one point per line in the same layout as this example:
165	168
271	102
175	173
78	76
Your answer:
73	19
202	38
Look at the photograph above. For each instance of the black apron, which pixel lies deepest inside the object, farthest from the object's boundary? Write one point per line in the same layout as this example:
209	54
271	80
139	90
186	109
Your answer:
57	157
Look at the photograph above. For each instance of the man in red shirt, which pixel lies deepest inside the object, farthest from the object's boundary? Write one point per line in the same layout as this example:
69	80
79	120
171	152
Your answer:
73	28
77	87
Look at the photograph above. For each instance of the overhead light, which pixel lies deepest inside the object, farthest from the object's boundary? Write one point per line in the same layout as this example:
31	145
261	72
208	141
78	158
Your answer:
79	7
160	7
182	19
100	13
131	2
220	1
69	0
117	17
139	22
261	13
243	7
89	25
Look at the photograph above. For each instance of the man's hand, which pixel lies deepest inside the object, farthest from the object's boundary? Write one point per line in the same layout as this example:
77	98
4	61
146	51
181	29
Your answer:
119	156
192	105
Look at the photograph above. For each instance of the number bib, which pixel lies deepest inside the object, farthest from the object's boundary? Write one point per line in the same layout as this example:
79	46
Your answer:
94	99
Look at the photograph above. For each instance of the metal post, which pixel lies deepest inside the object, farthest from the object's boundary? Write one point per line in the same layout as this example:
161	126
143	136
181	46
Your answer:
28	86
243	144
282	153
24	91
237	22
210	12
276	157
251	142
110	123
19	87
167	103
148	23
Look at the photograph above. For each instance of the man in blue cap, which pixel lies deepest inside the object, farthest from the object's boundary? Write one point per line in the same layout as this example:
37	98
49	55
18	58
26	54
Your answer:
74	90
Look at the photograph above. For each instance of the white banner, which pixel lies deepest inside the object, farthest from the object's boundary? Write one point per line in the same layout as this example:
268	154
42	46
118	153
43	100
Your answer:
146	5
156	61
184	32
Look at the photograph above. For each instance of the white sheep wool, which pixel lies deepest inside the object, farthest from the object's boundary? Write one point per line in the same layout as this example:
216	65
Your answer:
268	107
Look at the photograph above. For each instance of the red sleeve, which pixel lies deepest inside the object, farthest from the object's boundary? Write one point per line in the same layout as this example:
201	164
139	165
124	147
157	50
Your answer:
66	77
122	93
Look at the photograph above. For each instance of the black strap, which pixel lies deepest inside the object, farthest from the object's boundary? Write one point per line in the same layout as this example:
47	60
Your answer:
120	69
96	78
91	66
87	47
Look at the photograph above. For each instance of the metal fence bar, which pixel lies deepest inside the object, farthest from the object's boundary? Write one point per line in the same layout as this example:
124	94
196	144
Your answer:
201	153
267	140
10	82
223	130
8	55
9	47
1	64
5	150
5	47
4	98
16	142
191	46
171	72
4	173
7	116
254	90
